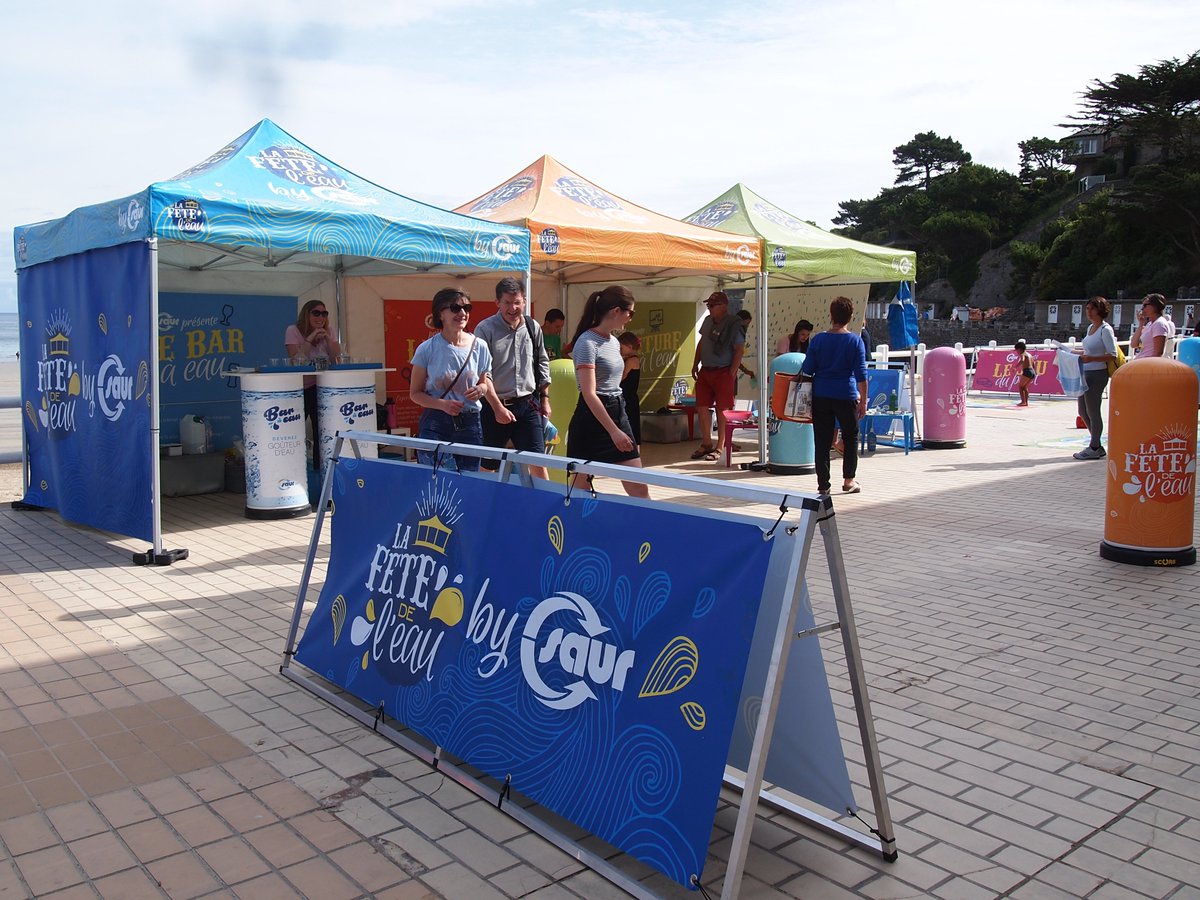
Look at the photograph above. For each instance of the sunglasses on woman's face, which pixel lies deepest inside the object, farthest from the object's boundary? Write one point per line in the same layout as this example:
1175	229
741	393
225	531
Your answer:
320	313
459	307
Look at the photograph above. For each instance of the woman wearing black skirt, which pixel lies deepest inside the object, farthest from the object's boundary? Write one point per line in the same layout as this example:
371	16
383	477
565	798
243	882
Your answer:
600	429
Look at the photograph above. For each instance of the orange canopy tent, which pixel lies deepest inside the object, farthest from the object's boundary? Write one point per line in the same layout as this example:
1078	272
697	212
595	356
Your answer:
583	233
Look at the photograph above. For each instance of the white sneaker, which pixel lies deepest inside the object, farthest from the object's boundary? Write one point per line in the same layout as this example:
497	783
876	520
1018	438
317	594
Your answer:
1089	453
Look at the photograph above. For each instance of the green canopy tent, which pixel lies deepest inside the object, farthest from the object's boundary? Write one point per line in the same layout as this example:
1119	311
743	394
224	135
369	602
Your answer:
798	254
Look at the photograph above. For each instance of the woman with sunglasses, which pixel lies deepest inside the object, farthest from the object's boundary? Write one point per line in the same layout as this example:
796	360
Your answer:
451	374
600	429
311	339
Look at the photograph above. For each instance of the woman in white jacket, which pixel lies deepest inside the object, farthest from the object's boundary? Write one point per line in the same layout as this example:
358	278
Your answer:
1099	346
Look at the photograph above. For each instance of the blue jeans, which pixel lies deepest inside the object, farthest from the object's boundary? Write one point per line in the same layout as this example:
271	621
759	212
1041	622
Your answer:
436	425
526	433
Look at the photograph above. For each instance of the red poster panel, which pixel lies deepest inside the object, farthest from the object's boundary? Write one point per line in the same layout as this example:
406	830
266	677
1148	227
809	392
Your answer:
405	326
996	370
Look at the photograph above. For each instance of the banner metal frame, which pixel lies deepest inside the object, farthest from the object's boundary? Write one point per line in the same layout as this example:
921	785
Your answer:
816	513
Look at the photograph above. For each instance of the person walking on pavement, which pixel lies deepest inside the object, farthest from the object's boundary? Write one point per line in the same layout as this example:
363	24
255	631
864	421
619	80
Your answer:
520	375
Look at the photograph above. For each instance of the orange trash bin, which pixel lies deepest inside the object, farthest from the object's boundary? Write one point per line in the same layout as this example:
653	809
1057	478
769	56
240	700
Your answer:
1150	494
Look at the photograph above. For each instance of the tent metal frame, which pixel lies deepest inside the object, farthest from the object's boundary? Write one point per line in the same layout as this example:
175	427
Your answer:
816	513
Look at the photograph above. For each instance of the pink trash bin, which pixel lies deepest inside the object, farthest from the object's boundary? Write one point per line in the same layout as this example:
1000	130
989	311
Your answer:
944	418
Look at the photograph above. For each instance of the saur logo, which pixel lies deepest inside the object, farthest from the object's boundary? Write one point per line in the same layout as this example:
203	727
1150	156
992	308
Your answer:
583	193
548	241
187	216
129	217
903	265
113	387
572	653
713	216
503	194
500	247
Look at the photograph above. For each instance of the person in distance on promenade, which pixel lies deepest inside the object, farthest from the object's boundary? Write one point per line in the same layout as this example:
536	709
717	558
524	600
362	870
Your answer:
836	364
1099	346
1153	330
1028	373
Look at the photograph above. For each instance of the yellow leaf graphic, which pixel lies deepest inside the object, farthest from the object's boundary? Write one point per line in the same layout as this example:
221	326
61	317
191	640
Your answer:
675	666
694	715
554	529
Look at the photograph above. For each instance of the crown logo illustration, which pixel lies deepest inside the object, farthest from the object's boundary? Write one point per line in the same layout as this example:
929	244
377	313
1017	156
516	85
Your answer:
439	505
433	533
58	330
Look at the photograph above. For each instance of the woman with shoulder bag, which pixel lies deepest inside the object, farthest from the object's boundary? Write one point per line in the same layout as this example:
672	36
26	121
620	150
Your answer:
451	374
1099	350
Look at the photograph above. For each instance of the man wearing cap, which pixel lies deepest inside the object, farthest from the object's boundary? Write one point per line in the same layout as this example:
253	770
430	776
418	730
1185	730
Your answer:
520	374
718	356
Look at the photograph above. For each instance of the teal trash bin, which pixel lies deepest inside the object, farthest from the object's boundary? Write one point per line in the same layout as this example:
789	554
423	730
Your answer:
1188	352
790	447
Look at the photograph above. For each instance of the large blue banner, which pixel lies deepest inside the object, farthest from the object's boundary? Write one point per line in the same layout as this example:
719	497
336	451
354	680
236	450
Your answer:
593	651
202	335
85	381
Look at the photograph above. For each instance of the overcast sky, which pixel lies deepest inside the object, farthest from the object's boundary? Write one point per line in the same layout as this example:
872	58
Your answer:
666	104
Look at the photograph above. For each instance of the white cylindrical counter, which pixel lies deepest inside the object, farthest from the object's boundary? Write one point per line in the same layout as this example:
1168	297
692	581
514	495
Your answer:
346	401
273	432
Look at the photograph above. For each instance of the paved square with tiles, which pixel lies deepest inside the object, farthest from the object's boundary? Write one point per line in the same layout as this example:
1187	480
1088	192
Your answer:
1037	707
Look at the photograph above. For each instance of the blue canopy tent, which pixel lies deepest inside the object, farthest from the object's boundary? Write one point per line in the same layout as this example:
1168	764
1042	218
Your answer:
264	207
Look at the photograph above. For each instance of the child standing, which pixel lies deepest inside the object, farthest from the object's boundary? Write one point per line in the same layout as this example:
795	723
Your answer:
1025	364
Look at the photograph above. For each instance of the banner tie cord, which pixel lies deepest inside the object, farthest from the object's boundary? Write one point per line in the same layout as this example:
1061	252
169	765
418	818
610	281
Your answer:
437	458
783	511
874	831
570	482
378	716
591	479
695	882
505	791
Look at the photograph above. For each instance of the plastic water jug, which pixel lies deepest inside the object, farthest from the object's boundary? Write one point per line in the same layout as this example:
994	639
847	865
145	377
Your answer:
193	434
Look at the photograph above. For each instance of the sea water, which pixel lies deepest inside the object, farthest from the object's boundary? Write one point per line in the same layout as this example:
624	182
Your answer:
9	336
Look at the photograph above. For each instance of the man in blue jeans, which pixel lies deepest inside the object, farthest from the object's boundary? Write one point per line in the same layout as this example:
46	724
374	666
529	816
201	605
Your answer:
520	374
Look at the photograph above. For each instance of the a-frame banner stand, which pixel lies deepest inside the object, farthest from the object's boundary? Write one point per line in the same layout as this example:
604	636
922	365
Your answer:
590	659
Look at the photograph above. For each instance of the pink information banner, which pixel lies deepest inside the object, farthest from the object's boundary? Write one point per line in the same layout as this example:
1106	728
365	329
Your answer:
997	371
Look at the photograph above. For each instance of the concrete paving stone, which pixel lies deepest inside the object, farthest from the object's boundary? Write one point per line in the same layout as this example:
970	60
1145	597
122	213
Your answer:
319	877
323	830
368	868
812	886
955	810
49	869
1038	889
1169	865
842	868
365	815
26	833
428	818
233	860
540	853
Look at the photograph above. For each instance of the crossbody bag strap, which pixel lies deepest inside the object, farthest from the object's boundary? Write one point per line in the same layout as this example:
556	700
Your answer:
461	368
